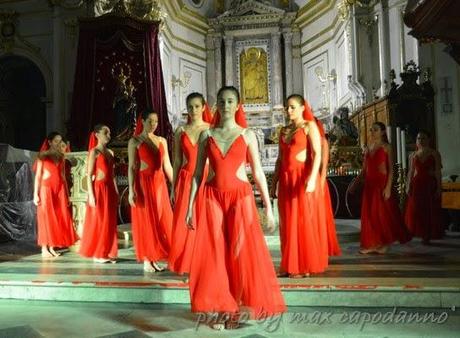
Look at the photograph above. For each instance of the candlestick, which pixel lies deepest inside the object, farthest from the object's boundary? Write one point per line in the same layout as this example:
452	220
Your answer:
403	149
389	134
398	145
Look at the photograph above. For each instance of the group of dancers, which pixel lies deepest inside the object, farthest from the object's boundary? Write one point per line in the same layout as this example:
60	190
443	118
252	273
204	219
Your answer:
208	226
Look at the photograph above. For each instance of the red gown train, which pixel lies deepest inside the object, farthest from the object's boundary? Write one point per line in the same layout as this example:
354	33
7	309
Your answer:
381	220
332	242
152	213
99	238
231	268
54	221
423	208
303	229
183	239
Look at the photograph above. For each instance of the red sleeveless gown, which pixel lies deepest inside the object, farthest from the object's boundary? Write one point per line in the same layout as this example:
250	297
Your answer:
99	238
333	246
332	242
423	208
152	214
303	229
232	269
184	240
381	220
54	222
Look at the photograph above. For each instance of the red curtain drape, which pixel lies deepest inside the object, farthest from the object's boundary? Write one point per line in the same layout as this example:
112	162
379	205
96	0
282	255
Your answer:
106	45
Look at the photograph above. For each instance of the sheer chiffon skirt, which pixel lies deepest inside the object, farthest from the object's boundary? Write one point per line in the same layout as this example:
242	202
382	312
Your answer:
232	269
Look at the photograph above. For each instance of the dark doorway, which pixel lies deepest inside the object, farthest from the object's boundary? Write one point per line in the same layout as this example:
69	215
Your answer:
22	106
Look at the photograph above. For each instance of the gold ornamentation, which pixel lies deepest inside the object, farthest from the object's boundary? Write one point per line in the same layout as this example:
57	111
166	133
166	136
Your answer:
344	8
7	29
254	70
401	184
141	9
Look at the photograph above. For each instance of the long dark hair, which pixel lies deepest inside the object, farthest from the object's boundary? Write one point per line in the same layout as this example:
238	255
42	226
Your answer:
195	95
231	88
50	137
145	114
383	128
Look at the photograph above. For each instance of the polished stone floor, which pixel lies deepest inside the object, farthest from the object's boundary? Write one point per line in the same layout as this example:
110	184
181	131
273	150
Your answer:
412	291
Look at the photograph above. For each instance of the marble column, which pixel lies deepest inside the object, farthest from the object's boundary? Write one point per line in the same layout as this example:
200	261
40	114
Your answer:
228	60
277	78
218	60
297	68
210	74
288	62
384	46
56	122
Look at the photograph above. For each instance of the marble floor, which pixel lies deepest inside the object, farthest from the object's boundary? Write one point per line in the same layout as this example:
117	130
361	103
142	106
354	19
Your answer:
412	291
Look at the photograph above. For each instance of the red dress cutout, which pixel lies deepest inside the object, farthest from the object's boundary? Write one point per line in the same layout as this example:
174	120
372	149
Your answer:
303	230
423	208
99	238
232	268
184	240
54	222
381	220
152	214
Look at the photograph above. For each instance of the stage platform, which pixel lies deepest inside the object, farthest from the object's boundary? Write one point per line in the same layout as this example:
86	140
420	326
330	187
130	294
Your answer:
410	275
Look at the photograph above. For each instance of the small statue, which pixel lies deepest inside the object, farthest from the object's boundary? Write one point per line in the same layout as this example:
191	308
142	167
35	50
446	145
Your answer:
125	108
344	131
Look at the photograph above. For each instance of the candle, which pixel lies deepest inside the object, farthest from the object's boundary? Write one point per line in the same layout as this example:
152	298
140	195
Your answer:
403	149
398	145
389	134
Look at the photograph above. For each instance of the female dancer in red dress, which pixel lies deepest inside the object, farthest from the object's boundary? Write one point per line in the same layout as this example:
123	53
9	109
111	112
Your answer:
423	208
99	239
55	226
232	268
151	213
185	153
333	244
303	230
381	220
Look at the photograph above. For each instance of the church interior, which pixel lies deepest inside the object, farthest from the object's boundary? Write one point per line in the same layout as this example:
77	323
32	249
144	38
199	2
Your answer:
68	65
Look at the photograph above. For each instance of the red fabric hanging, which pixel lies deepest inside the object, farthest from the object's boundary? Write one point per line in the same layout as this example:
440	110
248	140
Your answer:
307	113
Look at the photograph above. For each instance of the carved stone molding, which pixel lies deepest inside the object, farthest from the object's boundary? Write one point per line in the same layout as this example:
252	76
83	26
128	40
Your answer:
67	4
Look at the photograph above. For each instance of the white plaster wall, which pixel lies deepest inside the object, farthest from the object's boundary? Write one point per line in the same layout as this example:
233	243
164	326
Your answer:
447	123
183	50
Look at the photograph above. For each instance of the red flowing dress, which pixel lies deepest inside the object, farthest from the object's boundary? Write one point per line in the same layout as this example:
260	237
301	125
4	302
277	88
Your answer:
184	240
423	208
99	238
333	243
232	269
152	213
54	221
381	220
303	230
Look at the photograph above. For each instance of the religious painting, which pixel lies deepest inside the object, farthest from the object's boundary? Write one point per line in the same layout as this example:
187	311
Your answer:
254	76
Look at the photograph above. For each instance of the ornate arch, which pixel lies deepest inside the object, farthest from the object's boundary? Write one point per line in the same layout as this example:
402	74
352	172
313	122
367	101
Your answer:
39	61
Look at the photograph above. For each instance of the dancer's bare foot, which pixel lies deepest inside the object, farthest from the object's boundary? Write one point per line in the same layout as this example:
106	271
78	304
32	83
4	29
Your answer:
101	260
157	267
54	253
382	249
296	275
148	267
46	253
306	274
363	251
282	274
